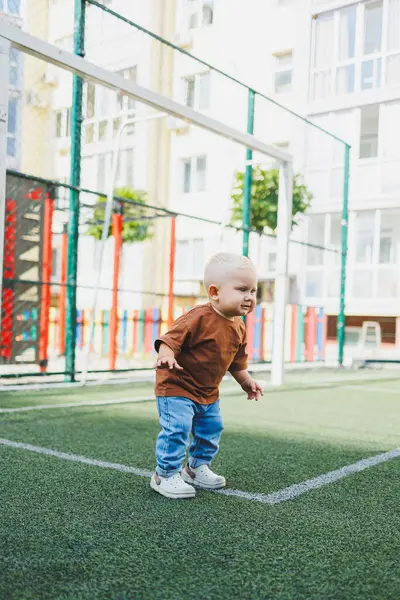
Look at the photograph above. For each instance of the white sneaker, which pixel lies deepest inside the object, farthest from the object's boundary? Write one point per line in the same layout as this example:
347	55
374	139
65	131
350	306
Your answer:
172	487
203	477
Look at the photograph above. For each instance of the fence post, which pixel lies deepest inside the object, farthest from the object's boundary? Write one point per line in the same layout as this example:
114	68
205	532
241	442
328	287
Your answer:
4	77
117	225
172	245
248	175
75	179
341	322
285	202
46	281
63	293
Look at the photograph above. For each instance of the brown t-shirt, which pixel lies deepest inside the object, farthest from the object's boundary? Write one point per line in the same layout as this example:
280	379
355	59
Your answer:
206	345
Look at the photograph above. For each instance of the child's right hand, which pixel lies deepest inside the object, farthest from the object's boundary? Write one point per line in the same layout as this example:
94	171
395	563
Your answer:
164	362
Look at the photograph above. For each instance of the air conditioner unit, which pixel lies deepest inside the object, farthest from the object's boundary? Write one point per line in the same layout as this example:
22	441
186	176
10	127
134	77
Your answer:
184	39
36	100
177	125
49	77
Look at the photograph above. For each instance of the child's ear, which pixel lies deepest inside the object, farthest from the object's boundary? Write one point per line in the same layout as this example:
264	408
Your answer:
213	292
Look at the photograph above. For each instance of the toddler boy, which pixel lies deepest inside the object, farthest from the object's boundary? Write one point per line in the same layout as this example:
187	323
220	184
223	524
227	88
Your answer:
193	357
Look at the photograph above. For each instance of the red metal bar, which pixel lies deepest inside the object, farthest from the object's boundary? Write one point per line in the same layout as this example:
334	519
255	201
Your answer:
7	271
310	333
62	299
46	283
117	225
172	247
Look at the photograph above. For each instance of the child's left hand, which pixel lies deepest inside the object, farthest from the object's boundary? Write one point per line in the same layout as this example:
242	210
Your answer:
253	389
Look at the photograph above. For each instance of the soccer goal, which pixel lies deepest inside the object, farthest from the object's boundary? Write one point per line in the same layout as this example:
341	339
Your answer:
12	37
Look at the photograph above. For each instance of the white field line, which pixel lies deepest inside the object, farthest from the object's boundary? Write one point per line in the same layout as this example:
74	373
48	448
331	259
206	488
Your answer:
77	404
379	390
38	387
231	391
288	493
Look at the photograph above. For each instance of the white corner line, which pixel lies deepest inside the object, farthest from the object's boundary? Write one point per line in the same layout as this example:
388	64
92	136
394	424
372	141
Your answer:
283	495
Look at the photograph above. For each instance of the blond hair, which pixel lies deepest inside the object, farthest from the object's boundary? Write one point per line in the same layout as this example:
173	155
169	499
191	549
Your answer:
221	267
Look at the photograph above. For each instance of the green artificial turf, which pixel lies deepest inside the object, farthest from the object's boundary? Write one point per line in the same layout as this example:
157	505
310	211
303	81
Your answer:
79	532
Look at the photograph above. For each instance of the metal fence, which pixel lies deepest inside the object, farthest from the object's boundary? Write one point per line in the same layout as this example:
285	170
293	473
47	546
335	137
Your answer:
60	321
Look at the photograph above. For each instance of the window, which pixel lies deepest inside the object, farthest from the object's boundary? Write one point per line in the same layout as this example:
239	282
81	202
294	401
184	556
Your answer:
362	284
182	258
12	127
190	258
90	100
369	131
371	71
198	258
345	80
59	120
187	176
14	68
200	13
55	271
197	91
393	70
345	61
283	72
125	169
11	6
316	236
365	223
323	55
207	13
194	175
124	176
323	52
386	247
201	168
103	171
314	284
393	42
347	33
189	91
271	261
373	20
204	91
63	118
389	236
335	236
124	102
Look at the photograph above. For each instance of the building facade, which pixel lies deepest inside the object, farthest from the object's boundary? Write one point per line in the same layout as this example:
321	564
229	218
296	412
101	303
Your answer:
46	139
335	61
338	63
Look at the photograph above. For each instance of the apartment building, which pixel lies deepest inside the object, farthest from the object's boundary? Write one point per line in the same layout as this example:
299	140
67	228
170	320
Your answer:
335	61
119	47
338	63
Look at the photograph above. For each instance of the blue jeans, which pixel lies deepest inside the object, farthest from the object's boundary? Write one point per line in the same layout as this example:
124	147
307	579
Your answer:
180	417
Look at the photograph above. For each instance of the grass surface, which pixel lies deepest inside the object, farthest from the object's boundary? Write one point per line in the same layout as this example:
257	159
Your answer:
78	532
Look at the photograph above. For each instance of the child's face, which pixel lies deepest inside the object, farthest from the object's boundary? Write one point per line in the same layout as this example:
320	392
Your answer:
237	297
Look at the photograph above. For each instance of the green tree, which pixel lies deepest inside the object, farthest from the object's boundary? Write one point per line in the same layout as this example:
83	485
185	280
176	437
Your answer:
135	227
264	199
